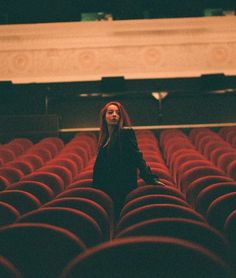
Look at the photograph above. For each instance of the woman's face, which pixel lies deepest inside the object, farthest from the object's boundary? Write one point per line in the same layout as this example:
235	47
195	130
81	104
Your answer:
112	115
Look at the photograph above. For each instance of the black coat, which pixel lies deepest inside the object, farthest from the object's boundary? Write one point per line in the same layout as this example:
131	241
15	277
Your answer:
117	164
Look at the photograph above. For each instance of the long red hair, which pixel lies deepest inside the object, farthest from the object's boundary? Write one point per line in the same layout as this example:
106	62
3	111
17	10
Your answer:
123	122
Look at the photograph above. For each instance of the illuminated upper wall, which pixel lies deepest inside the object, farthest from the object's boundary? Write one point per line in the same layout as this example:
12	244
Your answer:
135	49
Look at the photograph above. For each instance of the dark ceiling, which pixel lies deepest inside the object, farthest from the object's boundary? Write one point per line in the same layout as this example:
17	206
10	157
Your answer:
40	11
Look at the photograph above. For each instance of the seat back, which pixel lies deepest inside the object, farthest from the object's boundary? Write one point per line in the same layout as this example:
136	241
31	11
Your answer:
39	250
143	257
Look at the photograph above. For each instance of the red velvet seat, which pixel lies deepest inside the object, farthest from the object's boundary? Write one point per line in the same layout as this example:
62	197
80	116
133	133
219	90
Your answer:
200	133
61	171
211	146
145	133
231	170
210	193
43	153
230	136
11	174
88	137
91	163
225	159
35	160
152	157
58	142
177	146
148	140
22	201
152	199
197	172
165	133
179	228
90	207
84	175
75	157
193	133
155	211
80	151
224	130
143	257
8	214
93	194
180	152
40	190
199	184
147	146
83	144
153	189
176	139
66	162
89	167
50	179
162	174
168	135
24	166
220	208
177	150
8	270
75	221
204	141
233	142
183	157
217	152
26	143
230	232
157	165
190	165
52	148
6	155
39	250
16	148
3	183
81	183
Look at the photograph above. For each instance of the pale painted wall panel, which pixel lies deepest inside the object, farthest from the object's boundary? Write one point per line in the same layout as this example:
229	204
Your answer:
154	48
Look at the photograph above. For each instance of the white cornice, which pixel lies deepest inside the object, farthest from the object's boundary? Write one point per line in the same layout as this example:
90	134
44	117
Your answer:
152	48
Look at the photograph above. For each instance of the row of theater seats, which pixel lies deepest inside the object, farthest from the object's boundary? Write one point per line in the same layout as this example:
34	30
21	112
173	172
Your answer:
229	134
149	146
45	220
198	161
55	224
152	218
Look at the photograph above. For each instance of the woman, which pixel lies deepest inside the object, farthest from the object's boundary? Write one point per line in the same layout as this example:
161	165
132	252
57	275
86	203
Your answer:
118	158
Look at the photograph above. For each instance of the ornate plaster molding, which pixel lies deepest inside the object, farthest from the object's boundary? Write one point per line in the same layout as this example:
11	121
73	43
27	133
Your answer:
83	51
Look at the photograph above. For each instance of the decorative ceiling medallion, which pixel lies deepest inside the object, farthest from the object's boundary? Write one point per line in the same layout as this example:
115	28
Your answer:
218	55
152	55
86	58
19	62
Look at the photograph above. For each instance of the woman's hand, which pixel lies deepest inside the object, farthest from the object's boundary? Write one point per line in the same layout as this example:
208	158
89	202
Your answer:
158	182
